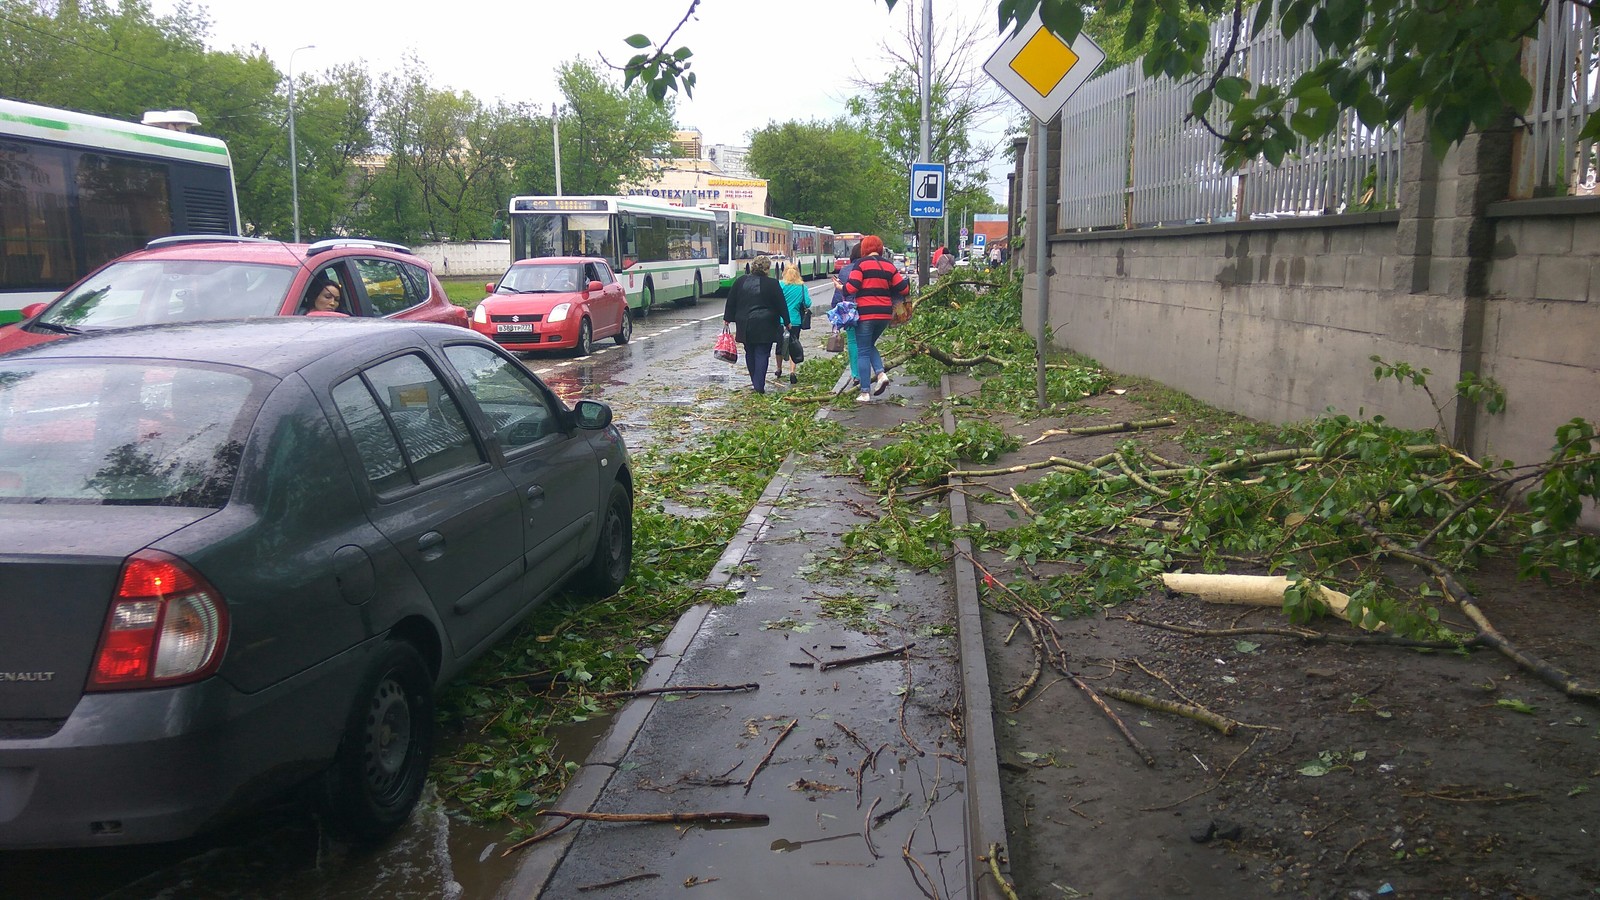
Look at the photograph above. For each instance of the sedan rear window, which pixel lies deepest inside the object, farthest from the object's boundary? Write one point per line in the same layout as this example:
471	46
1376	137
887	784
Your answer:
140	433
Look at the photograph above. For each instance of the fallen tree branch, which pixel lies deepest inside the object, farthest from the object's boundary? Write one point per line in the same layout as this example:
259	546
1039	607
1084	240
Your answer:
569	817
686	689
1113	428
1546	671
618	881
1255	590
1189	711
999	880
869	657
770	750
1054	462
1116	720
1304	634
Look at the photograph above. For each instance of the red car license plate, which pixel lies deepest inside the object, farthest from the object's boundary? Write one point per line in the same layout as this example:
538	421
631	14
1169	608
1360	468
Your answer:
505	327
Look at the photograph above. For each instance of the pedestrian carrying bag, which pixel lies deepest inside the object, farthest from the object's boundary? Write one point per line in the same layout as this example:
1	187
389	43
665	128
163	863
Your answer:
805	318
835	341
727	349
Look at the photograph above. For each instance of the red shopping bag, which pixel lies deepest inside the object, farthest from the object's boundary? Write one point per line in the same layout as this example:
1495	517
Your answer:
727	349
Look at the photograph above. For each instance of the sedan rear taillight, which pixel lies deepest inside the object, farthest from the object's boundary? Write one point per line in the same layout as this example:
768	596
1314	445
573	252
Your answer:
167	625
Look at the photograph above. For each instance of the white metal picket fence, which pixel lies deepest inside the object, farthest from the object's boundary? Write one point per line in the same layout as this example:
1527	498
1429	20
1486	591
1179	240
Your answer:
1563	65
1130	156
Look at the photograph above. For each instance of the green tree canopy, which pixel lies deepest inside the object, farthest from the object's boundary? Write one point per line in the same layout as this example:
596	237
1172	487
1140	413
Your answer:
607	132
825	173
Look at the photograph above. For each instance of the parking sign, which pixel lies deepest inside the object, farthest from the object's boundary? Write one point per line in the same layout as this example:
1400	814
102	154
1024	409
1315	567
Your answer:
927	190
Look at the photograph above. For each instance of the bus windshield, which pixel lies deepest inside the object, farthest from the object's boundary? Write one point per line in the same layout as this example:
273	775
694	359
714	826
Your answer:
566	235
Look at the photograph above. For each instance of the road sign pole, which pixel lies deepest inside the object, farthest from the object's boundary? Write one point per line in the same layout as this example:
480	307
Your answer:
1041	253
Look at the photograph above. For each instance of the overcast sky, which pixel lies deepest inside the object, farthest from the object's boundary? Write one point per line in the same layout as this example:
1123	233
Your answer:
757	61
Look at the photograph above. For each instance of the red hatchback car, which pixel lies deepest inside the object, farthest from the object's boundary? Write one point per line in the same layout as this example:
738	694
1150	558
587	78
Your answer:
205	277
555	303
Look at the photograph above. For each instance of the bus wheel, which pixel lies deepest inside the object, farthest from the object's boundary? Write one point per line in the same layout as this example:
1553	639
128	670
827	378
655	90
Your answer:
694	298
648	299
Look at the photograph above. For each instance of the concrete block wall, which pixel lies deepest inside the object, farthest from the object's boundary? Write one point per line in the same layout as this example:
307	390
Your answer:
1274	324
1278	321
479	259
1541	322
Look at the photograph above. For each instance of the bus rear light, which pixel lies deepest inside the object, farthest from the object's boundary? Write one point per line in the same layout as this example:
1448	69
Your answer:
167	625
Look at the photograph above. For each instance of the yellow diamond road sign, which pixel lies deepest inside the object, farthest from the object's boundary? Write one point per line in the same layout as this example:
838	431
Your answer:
1040	70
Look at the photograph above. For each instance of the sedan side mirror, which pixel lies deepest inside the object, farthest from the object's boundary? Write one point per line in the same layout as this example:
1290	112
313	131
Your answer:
33	309
488	287
595	287
592	414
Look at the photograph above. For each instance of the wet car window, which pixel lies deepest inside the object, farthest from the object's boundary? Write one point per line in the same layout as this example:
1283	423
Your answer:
390	288
121	433
405	401
147	292
514	405
542	278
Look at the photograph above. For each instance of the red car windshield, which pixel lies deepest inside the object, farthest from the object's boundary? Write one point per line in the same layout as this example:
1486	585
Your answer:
146	292
542	279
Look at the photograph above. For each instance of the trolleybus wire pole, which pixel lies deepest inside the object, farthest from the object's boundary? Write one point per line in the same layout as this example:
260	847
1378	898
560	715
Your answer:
294	160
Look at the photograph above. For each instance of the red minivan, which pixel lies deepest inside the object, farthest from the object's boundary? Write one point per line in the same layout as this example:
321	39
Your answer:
197	278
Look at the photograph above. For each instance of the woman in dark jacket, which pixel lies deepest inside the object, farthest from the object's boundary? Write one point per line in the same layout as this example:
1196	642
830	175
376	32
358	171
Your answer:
757	308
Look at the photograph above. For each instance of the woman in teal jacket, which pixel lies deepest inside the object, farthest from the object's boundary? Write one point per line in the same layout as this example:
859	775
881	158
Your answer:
798	299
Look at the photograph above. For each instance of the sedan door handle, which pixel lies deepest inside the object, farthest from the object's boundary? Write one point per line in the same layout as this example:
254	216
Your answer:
431	546
535	493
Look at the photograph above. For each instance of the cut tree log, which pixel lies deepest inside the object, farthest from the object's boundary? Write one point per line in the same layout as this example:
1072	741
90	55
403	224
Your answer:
1253	590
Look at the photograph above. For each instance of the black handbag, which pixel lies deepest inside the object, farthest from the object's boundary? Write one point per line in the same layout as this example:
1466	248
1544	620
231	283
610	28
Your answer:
805	318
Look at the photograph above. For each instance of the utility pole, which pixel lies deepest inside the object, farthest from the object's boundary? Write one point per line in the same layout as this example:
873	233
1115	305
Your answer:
555	123
923	148
294	161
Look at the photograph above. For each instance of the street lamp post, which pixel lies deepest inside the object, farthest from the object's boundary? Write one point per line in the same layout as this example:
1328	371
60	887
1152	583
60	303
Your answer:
294	162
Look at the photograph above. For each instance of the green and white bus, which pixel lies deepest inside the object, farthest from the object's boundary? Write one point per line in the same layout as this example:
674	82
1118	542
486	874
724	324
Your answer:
813	250
77	191
742	236
660	253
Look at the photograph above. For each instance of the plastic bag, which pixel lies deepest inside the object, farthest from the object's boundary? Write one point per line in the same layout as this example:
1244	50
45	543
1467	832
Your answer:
727	348
844	315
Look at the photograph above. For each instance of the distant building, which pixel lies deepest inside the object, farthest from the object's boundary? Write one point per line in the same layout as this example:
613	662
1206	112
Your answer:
731	159
700	182
688	143
993	229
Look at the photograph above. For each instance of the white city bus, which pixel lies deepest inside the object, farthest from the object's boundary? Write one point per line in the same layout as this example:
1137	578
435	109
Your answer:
77	191
660	253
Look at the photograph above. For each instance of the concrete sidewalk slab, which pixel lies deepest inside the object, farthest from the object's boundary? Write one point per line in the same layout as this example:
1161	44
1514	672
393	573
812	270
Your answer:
895	722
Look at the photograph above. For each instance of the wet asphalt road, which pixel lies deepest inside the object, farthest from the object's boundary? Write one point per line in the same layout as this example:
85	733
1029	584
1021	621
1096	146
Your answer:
279	851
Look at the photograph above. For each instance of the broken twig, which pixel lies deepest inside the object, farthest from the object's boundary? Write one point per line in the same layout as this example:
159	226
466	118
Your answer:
869	657
770	750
